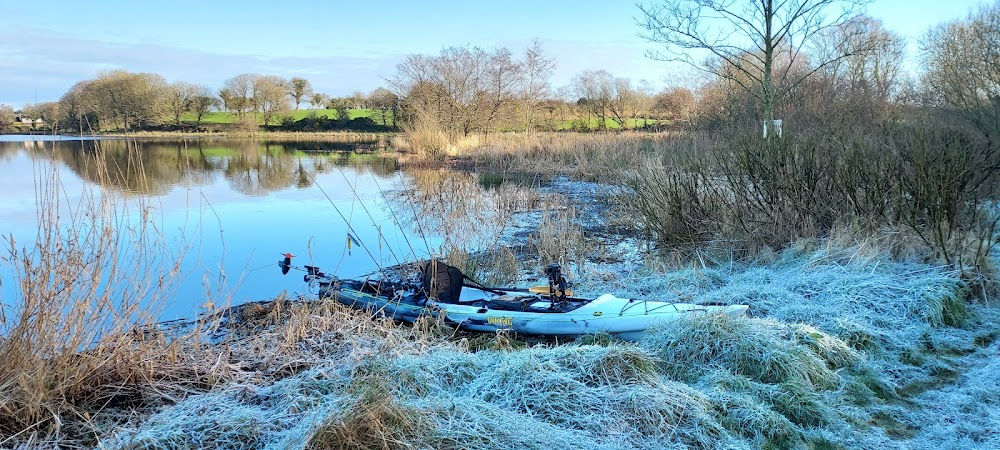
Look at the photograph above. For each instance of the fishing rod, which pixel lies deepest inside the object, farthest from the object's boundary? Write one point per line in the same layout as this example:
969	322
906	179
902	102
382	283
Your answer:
420	229
557	290
377	228
351	232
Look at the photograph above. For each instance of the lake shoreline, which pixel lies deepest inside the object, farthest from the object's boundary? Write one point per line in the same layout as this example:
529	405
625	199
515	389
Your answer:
211	134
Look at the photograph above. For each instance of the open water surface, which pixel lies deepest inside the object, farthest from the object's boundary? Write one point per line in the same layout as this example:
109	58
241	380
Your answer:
234	205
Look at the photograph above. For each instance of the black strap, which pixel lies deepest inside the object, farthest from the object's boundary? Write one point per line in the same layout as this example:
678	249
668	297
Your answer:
480	286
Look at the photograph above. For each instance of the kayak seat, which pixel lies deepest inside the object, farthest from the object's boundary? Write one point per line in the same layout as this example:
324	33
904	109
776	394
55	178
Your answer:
442	282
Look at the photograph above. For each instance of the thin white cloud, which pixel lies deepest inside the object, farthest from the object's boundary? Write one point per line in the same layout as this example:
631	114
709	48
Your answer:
51	63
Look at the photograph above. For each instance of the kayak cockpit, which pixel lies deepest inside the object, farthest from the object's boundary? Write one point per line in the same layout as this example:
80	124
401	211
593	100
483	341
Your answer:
517	301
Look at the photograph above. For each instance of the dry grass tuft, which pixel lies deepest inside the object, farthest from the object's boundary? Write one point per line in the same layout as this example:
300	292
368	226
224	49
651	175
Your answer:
376	420
765	351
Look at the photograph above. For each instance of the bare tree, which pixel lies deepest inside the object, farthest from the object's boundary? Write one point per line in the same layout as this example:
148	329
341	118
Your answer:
269	97
501	80
962	69
465	89
644	103
675	104
237	93
873	58
861	87
202	103
6	117
230	101
459	72
178	100
299	89
607	97
592	87
80	107
535	87
129	99
384	101
746	37
624	101
357	100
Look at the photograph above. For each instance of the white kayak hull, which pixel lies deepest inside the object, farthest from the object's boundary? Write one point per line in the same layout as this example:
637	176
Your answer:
526	313
624	318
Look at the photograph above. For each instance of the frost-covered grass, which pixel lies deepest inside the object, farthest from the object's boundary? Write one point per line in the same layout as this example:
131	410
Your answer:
963	414
842	349
839	353
889	310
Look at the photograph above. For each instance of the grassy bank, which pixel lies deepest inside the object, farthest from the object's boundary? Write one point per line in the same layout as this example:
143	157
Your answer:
223	117
337	136
571	124
830	363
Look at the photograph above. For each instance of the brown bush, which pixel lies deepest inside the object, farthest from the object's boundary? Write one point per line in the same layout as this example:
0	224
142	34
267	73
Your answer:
937	183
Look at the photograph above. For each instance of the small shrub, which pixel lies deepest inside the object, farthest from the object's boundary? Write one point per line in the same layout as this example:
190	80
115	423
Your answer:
932	182
247	123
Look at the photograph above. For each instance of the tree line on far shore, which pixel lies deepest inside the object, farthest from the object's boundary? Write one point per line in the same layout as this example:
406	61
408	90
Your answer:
505	94
848	69
118	100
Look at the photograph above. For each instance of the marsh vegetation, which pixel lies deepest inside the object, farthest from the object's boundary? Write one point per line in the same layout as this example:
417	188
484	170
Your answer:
862	327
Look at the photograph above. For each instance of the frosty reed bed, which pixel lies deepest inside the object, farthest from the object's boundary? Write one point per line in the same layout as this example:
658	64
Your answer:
79	338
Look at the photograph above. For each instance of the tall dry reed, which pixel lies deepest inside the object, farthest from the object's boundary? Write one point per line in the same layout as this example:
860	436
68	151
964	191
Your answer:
80	338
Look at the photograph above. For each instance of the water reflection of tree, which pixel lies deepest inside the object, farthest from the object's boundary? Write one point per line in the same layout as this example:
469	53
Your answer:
133	167
8	150
153	168
258	174
304	178
384	166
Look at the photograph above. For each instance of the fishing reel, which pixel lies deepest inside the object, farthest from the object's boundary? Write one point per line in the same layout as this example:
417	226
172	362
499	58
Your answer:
312	272
557	283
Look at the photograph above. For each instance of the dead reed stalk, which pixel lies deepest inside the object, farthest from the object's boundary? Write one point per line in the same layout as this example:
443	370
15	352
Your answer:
79	338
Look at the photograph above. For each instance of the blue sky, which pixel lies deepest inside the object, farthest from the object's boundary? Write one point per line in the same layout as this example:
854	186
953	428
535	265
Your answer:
340	46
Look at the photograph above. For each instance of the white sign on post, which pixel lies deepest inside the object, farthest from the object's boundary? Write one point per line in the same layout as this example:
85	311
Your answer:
775	127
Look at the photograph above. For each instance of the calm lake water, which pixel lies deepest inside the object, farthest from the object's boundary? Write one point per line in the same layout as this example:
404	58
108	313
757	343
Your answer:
237	205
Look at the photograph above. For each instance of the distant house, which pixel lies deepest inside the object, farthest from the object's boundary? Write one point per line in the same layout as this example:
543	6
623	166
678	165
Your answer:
25	121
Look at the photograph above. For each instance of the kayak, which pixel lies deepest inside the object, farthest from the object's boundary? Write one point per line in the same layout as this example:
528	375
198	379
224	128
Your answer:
478	308
533	314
